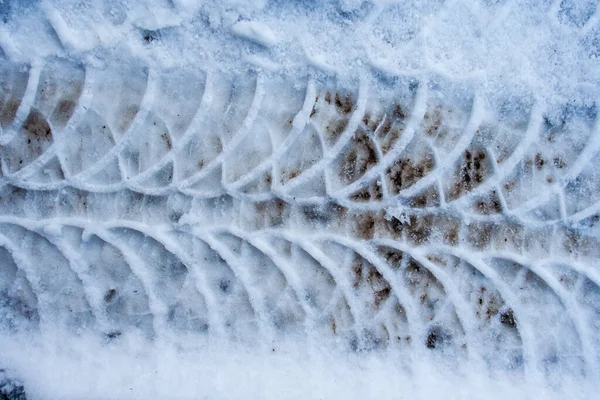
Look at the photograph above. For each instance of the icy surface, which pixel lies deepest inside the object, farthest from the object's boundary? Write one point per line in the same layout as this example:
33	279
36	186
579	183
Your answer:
274	199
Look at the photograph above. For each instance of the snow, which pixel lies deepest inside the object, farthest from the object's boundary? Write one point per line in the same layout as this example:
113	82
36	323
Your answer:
274	199
84	368
531	47
254	31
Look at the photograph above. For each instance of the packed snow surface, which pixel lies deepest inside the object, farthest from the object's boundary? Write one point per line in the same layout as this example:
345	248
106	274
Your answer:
300	199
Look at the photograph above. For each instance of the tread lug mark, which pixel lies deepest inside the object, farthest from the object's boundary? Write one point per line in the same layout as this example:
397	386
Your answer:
57	306
34	138
19	305
13	81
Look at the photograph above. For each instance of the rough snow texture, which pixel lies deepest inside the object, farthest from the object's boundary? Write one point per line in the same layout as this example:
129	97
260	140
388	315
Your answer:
418	196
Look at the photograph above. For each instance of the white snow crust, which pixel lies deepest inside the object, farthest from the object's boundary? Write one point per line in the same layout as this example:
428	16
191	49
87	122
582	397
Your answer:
254	31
